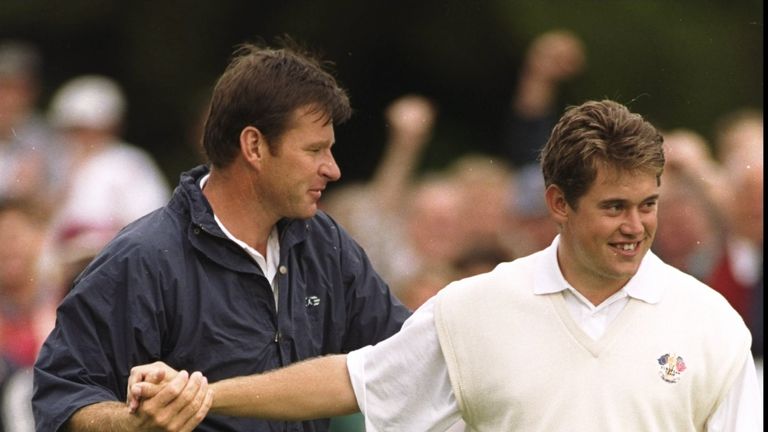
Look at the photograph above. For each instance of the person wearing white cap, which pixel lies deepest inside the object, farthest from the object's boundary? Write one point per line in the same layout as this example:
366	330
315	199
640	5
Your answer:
110	182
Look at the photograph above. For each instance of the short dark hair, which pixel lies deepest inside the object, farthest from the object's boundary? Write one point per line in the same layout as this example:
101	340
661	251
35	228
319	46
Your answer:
263	87
599	132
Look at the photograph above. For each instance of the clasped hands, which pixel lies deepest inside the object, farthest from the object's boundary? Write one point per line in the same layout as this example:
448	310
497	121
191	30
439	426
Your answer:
167	399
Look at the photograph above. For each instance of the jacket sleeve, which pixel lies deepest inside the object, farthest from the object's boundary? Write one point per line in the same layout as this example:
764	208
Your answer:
102	330
373	312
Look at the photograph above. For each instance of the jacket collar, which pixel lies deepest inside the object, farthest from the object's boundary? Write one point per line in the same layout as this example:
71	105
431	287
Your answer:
205	235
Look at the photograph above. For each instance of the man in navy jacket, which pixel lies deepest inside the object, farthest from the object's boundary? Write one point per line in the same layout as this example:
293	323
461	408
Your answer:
239	274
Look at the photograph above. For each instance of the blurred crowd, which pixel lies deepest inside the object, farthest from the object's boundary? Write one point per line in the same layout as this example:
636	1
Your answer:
69	182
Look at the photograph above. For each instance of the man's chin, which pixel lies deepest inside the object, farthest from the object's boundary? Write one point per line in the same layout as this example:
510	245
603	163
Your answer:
306	213
627	270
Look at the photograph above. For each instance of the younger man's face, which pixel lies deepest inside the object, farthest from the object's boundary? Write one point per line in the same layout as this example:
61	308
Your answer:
606	238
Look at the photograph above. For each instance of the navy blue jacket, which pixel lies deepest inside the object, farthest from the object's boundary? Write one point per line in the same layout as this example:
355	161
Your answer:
172	287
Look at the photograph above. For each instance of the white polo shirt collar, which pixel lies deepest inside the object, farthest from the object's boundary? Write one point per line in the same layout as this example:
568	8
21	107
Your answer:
642	286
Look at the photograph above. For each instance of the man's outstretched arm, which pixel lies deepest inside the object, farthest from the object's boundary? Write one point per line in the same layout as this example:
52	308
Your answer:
315	388
181	405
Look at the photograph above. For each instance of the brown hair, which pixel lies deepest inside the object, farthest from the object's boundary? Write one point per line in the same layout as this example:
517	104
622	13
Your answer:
594	133
263	87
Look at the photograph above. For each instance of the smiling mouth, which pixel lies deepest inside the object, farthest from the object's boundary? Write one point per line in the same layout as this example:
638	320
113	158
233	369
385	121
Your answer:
626	247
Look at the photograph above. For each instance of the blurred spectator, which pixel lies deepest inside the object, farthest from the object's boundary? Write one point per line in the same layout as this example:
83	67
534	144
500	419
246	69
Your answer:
410	121
374	212
425	231
15	396
689	235
529	227
481	258
738	274
552	58
424	283
738	130
30	165
483	184
28	297
691	228
110	183
435	233
739	271
25	289
689	154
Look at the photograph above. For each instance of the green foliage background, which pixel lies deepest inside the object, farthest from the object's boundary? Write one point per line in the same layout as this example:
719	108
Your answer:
680	63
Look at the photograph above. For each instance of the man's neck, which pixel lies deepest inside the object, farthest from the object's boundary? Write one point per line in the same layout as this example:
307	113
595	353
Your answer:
235	205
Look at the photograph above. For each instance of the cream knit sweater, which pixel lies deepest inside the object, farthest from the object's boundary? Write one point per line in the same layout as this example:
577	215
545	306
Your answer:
518	362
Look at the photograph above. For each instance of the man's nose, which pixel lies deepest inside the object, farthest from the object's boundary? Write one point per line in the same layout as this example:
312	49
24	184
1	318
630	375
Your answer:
330	169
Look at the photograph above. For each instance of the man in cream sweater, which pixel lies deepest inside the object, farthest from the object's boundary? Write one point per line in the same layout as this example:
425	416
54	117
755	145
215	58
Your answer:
592	333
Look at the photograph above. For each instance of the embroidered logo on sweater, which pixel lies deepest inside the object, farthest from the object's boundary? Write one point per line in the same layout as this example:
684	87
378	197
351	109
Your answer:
672	366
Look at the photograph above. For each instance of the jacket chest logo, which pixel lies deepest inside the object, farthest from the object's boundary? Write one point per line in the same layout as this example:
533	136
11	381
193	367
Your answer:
312	301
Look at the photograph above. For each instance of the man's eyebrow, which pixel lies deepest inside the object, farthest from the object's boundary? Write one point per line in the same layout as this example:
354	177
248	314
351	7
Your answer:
321	143
609	201
606	201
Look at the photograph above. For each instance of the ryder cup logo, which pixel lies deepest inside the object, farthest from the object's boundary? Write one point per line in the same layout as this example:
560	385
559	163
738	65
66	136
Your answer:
672	367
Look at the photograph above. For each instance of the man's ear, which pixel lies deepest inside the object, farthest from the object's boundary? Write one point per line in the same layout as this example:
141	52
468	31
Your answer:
253	145
556	203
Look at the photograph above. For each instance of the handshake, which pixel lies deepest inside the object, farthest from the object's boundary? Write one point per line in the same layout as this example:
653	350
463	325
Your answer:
162	398
168	399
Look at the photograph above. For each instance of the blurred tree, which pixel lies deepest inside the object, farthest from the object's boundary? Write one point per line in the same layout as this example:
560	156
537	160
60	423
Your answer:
683	64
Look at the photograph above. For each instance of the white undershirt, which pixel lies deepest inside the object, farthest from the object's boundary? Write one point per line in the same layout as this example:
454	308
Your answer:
269	264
